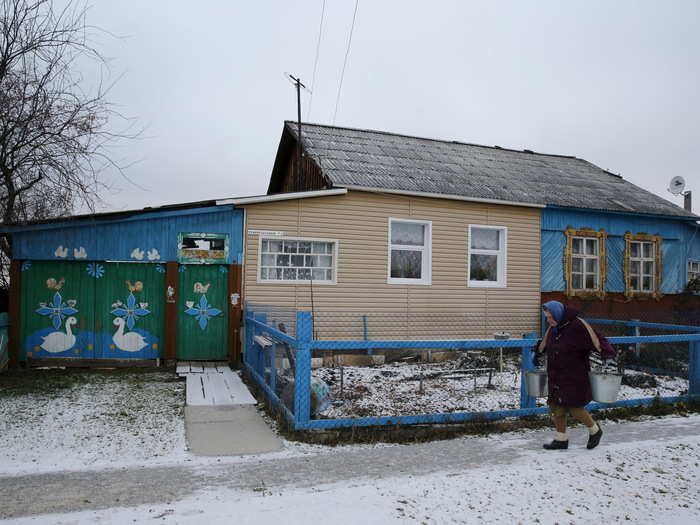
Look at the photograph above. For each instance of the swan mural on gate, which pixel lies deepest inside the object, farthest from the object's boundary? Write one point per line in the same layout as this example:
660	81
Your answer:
127	314
130	342
108	332
56	341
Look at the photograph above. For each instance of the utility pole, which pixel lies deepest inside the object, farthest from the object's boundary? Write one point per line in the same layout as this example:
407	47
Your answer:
300	179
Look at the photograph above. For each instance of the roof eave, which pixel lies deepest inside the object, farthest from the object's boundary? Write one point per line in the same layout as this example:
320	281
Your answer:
692	217
439	196
282	197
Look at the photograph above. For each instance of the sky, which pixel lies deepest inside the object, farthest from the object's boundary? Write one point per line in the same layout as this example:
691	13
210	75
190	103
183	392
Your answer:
615	83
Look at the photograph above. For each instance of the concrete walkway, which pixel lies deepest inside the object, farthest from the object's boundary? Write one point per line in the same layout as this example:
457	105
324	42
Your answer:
74	491
221	418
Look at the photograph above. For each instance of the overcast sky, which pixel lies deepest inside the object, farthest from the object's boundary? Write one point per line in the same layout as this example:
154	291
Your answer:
616	83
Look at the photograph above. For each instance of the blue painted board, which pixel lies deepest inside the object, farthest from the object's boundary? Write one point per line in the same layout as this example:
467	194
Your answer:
148	237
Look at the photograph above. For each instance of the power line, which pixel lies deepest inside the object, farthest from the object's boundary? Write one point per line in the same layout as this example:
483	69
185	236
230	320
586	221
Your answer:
318	47
347	52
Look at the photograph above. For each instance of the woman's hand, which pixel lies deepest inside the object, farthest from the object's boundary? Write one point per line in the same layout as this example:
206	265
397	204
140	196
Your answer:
537	359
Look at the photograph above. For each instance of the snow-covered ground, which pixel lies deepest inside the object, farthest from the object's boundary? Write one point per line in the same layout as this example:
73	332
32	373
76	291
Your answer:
643	472
129	419
652	479
101	421
395	389
100	418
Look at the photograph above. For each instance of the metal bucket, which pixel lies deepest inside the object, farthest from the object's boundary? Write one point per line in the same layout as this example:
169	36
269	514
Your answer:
604	386
536	382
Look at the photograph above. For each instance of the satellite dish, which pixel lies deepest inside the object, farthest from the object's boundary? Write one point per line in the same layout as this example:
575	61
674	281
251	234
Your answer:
677	185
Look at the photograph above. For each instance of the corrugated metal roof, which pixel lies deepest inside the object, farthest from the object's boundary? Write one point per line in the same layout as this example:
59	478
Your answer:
355	157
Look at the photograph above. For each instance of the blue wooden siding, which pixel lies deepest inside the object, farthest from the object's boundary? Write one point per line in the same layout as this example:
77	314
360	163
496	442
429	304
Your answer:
691	243
150	236
679	245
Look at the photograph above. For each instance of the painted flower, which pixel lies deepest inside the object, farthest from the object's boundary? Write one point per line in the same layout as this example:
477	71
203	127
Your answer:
131	311
57	310
182	268
223	269
203	311
160	268
26	265
95	270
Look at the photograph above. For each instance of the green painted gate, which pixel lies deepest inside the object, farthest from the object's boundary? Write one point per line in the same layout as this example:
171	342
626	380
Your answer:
130	318
57	310
92	310
202	325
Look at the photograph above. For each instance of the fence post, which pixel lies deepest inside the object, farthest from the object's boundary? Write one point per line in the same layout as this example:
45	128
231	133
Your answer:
273	367
260	355
526	364
694	368
4	354
365	333
636	333
302	377
248	349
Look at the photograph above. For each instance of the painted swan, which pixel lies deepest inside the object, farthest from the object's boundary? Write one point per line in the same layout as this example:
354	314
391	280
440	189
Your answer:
58	341
130	342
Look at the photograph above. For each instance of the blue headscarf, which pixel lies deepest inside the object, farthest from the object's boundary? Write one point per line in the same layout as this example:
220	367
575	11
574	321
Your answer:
557	310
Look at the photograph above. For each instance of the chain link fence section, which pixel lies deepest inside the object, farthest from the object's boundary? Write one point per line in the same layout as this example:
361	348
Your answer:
379	326
281	317
669	358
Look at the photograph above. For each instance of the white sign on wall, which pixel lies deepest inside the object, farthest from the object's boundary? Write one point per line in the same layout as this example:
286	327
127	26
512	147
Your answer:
265	232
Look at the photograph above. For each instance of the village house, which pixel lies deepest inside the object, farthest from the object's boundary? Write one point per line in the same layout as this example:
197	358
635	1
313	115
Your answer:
380	223
379	235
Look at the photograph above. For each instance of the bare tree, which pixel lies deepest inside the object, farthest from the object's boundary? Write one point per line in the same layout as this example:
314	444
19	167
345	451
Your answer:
54	136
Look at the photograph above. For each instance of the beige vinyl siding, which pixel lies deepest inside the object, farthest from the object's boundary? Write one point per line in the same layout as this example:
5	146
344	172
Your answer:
447	309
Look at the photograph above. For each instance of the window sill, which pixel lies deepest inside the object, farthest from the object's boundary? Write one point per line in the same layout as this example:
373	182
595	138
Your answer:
587	295
298	283
482	284
643	295
410	282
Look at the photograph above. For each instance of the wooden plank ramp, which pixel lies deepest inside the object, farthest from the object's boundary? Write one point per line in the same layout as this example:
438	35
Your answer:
195	390
213	384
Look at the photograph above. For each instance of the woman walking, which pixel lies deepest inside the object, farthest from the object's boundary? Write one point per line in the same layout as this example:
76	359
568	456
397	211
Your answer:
568	344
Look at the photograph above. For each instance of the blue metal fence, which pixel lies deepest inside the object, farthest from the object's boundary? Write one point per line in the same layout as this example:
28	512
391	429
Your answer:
263	340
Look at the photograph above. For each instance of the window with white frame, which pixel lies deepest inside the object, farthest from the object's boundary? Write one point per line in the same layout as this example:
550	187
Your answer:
409	251
642	266
487	256
295	260
693	270
585	267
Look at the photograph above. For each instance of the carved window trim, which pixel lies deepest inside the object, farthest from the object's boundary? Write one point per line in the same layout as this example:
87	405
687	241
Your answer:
658	267
602	237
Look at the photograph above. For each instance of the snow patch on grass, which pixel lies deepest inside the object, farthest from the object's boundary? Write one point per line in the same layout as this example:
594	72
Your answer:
395	389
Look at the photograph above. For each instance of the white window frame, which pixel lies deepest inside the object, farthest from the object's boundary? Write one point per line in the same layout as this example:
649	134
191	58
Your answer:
426	253
334	281
502	253
584	256
689	273
641	259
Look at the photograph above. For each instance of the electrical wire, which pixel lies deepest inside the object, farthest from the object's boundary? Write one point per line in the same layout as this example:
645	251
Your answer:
318	47
347	52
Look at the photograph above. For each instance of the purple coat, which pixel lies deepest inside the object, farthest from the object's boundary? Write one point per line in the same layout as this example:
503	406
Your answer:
568	361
